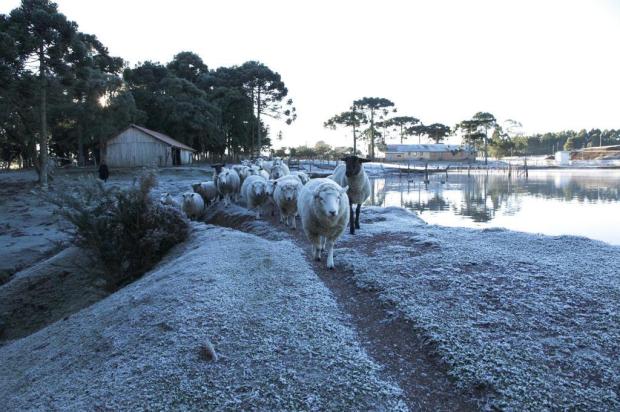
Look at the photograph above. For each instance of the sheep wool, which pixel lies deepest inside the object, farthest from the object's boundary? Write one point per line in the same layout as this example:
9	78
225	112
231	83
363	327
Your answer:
255	192
323	206
193	205
207	190
228	185
285	195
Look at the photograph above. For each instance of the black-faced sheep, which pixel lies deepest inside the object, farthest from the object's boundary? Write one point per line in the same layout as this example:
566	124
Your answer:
352	174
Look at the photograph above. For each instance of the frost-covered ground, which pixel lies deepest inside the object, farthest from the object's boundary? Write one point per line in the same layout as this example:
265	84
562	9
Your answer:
520	321
278	336
29	231
530	321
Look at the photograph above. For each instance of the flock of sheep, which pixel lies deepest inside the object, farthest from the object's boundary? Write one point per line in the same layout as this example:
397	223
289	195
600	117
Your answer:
324	205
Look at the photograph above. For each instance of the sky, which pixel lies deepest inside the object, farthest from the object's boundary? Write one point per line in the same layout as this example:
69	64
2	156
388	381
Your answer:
549	64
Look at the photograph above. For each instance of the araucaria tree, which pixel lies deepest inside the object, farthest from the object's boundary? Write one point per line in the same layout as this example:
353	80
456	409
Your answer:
267	92
404	124
44	39
352	118
62	93
437	132
373	107
486	121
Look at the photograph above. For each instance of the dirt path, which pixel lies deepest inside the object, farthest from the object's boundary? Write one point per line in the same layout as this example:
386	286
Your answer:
389	338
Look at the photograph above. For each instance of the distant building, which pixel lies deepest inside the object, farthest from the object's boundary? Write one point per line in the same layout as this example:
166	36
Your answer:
139	146
562	158
596	153
399	152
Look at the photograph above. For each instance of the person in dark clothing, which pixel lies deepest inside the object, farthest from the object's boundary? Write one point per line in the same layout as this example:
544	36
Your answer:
104	173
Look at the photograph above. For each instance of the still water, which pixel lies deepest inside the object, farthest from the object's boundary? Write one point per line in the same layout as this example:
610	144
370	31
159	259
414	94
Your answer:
559	202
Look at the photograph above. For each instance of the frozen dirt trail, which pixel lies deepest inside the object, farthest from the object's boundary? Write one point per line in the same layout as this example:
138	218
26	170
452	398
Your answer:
389	338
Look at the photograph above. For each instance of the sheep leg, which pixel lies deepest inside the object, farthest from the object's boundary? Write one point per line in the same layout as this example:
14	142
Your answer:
257	213
330	254
351	220
316	247
294	223
322	243
357	216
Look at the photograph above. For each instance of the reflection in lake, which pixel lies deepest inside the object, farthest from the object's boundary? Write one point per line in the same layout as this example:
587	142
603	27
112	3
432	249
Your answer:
558	202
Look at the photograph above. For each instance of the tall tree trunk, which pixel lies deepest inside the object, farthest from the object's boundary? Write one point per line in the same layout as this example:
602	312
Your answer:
354	140
80	146
258	109
43	157
485	145
372	135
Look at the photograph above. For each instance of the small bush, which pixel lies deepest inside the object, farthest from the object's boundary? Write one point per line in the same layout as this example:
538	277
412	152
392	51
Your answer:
125	228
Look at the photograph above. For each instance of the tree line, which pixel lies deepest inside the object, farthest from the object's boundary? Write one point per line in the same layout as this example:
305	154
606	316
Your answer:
61	92
374	120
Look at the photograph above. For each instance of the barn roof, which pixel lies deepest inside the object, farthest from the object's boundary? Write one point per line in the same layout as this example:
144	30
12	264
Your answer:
403	148
163	138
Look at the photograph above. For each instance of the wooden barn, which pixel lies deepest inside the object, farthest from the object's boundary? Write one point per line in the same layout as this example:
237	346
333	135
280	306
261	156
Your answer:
139	146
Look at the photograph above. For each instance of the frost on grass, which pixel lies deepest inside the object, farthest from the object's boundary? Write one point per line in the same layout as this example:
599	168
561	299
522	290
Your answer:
279	340
524	321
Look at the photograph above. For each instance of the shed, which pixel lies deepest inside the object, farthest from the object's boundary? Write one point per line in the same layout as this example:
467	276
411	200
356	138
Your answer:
139	146
562	158
399	152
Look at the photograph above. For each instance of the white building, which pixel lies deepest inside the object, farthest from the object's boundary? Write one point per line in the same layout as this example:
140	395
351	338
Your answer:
442	152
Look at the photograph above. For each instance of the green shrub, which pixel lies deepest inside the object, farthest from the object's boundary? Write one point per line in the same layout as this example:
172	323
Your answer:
126	229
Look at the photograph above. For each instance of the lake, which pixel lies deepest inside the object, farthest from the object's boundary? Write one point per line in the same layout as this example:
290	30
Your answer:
557	202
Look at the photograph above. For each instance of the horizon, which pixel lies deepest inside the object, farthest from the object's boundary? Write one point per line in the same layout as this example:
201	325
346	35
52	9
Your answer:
528	58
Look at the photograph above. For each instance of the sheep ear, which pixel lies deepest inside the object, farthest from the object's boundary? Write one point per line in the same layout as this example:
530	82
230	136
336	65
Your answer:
364	160
344	189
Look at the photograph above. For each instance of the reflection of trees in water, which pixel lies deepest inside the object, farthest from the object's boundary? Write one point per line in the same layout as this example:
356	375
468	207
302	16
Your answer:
482	195
435	204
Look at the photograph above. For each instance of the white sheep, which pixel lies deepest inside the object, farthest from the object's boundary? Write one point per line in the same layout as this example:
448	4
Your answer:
255	192
169	200
287	189
257	171
277	171
243	172
352	174
228	185
322	206
207	190
303	177
193	205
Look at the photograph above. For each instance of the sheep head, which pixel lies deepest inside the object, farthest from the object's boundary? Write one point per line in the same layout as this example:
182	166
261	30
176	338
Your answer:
259	189
290	191
354	165
218	167
277	172
328	198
